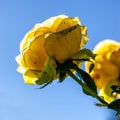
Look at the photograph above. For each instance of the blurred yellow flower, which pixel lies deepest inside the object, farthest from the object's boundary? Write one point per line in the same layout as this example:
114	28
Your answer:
58	37
107	67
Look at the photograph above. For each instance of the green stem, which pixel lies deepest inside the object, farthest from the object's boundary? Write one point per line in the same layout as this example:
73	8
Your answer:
86	88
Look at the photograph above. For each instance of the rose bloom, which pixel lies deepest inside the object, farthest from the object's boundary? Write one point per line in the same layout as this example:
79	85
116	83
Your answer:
107	67
57	38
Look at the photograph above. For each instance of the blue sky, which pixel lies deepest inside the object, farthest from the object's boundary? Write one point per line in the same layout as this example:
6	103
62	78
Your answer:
58	101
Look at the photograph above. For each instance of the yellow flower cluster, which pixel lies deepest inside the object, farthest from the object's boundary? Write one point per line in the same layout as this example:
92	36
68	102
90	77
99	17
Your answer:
107	67
57	38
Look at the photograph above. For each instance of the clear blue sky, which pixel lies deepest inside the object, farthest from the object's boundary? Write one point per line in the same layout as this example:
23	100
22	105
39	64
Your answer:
64	101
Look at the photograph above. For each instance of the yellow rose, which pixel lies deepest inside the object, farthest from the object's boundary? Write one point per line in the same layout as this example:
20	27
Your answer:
59	38
107	67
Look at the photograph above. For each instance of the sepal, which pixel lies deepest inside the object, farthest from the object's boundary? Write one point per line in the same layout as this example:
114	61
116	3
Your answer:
48	73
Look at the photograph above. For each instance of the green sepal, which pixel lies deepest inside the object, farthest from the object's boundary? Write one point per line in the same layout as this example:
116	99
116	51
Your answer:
84	55
91	67
62	76
48	73
45	84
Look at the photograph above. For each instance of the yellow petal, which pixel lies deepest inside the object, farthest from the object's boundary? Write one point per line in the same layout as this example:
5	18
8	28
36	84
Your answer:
21	65
50	24
34	55
84	36
105	70
106	46
31	76
103	73
68	22
37	45
34	32
115	57
53	21
26	39
33	60
62	45
60	22
21	69
109	69
106	92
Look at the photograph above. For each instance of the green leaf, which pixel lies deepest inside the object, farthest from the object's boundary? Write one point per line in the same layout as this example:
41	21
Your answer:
115	105
86	92
87	79
84	54
48	73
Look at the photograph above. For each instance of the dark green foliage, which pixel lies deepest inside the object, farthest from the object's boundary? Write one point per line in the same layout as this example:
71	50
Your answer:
91	67
115	105
86	78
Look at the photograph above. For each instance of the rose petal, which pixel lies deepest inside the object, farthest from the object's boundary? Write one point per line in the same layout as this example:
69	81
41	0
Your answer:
115	57
34	55
31	76
68	22
62	45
